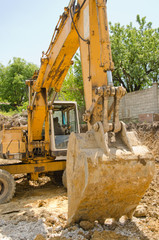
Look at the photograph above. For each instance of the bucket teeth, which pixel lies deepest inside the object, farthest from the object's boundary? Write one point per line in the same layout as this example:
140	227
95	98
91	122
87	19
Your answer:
105	185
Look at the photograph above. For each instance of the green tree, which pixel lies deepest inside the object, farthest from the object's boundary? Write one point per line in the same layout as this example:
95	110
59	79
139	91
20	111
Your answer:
2	70
12	81
135	54
72	89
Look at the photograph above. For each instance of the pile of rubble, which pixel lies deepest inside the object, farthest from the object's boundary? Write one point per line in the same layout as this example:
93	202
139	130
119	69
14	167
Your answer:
148	134
16	120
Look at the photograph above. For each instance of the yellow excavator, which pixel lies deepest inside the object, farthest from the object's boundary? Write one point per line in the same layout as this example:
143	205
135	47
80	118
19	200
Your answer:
107	168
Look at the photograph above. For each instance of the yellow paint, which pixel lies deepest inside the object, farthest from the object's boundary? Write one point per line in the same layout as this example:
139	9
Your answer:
96	58
59	56
13	141
35	167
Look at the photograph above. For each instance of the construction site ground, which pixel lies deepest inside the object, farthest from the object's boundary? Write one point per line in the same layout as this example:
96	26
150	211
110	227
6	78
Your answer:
39	209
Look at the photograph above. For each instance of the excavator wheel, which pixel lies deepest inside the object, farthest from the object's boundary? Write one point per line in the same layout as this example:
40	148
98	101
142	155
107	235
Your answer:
7	186
106	179
57	177
64	179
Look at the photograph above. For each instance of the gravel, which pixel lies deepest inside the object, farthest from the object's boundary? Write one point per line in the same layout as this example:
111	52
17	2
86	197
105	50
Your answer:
11	230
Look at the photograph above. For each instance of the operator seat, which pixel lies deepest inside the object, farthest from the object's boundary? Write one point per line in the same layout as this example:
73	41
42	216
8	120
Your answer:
57	127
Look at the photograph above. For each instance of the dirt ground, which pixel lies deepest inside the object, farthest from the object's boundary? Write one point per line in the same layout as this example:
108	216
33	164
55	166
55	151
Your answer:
39	209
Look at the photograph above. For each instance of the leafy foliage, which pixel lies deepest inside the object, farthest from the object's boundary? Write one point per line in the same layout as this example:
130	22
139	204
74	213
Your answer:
135	54
12	81
23	106
136	58
72	89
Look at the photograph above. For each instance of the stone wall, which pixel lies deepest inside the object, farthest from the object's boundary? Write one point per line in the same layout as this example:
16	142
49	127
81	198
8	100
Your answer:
140	102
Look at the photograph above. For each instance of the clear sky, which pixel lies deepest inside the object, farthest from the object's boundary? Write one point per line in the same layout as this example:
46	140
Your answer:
26	26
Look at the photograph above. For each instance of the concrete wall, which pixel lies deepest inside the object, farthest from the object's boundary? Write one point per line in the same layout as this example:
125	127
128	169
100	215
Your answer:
140	102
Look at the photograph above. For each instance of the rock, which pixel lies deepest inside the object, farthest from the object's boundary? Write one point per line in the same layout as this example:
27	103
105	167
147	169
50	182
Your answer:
51	220
39	237
141	211
123	220
16	116
23	121
73	228
24	113
111	224
16	123
8	125
49	229
63	216
86	225
81	232
58	228
154	214
107	235
13	121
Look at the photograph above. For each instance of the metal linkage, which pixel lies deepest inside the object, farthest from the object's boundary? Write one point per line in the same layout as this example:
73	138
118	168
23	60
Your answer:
105	92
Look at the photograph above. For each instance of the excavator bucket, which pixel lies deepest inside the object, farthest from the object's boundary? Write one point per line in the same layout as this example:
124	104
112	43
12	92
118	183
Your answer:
107	174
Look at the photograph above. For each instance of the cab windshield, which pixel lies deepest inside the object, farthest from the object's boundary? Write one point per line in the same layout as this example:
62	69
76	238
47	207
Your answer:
65	122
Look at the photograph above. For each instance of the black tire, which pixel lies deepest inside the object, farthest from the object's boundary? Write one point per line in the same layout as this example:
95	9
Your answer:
64	179
7	186
57	177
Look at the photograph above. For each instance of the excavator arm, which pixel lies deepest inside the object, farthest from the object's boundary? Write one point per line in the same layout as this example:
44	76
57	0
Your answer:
54	66
83	25
108	170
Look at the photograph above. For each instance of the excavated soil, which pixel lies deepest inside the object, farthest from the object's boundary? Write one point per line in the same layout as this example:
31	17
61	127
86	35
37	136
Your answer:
39	209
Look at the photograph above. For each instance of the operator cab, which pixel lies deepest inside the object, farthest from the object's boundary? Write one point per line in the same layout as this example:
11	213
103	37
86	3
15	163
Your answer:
63	120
